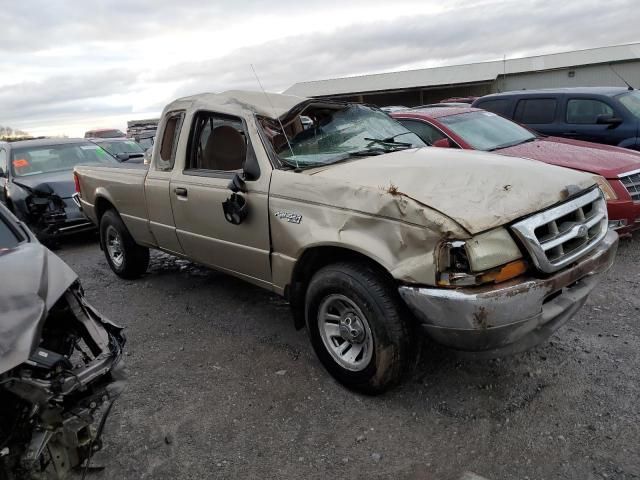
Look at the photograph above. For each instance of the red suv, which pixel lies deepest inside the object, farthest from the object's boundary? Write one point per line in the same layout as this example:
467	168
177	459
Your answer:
617	170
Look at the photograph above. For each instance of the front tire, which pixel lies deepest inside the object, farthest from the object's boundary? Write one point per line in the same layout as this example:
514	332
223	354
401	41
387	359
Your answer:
125	257
359	327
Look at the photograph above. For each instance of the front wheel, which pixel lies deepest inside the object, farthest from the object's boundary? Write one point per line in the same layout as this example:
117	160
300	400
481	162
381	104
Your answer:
359	327
125	257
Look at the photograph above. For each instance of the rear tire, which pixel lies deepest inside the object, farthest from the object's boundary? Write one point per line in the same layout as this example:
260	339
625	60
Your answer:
359	327
125	257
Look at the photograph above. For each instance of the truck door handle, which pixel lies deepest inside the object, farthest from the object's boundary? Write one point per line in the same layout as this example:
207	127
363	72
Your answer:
180	191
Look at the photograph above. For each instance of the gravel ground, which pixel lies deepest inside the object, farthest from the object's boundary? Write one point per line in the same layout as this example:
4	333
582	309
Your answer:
222	386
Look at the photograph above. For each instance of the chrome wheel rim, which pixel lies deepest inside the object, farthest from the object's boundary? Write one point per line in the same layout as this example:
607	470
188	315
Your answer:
114	246
345	332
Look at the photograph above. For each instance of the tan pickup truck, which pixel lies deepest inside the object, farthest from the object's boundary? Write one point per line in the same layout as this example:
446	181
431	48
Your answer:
368	234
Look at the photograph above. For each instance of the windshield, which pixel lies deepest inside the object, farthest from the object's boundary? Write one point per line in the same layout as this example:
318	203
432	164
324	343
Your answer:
631	101
337	132
486	130
56	158
127	146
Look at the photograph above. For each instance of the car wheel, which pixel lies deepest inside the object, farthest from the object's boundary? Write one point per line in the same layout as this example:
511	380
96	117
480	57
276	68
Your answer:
125	257
359	327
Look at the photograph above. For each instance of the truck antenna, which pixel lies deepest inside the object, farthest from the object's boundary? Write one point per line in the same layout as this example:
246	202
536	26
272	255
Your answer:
274	114
629	87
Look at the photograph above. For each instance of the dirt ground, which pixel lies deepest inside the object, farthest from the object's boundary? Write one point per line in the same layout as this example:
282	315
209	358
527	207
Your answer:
222	386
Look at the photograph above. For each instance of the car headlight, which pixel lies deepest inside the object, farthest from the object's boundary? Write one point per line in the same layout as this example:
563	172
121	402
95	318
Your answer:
491	257
606	188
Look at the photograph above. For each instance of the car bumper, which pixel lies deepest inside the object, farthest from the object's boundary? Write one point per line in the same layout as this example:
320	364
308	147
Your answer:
512	316
624	216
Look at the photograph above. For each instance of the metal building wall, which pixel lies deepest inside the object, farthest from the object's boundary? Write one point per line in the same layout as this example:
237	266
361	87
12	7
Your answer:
584	76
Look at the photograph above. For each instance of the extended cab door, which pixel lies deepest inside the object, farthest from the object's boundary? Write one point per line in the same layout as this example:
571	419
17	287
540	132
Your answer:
158	180
217	149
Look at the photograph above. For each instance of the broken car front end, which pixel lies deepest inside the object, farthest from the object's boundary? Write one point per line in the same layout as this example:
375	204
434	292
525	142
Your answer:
60	367
516	300
49	215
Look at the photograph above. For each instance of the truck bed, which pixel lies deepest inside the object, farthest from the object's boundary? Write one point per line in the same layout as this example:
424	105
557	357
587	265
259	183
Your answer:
121	187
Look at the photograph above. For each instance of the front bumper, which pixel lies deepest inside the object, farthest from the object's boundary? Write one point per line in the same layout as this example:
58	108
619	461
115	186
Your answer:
512	316
624	216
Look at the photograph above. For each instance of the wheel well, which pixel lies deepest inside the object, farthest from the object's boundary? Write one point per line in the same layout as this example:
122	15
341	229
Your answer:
101	206
313	260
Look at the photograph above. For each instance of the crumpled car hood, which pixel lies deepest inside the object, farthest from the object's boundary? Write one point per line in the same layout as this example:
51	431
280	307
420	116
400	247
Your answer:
477	190
32	279
60	182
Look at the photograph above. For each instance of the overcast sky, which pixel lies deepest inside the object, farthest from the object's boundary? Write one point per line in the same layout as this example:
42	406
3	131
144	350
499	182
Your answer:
67	66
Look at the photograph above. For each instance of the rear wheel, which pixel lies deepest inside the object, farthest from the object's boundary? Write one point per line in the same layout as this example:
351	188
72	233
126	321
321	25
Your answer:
358	327
125	257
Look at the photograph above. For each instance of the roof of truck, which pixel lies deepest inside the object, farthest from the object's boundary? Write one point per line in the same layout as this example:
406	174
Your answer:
238	102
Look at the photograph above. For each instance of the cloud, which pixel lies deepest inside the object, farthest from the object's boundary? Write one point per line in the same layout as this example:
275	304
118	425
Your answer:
113	57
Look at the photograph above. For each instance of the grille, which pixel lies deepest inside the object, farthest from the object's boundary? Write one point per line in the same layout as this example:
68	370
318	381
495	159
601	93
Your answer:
631	182
561	235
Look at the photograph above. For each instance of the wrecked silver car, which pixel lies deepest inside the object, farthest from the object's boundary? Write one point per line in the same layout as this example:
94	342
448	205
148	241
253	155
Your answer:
59	362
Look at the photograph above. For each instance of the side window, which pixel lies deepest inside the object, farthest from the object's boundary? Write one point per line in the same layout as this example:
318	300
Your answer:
3	161
536	110
170	136
499	106
426	132
218	143
586	111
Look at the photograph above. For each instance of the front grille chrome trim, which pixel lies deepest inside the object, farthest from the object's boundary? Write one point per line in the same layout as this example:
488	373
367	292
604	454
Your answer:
631	181
548	253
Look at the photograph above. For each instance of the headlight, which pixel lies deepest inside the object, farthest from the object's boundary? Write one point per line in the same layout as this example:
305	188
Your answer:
607	189
490	257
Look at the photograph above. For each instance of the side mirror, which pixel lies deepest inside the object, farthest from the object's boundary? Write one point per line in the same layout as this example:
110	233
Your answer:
251	168
608	119
122	157
442	143
2	174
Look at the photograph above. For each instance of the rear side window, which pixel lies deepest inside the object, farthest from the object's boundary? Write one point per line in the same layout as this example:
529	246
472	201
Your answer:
3	161
8	237
426	132
167	157
536	110
585	110
499	106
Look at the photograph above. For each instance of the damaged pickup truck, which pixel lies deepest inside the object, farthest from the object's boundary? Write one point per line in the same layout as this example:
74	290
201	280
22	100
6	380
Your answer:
59	362
369	235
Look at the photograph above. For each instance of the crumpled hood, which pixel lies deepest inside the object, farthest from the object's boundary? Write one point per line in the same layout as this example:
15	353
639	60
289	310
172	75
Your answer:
32	279
60	182
604	160
477	190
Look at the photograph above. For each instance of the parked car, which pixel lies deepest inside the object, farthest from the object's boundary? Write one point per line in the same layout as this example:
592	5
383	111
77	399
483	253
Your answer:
467	100
60	368
122	149
146	138
36	183
393	108
609	115
369	236
617	170
104	133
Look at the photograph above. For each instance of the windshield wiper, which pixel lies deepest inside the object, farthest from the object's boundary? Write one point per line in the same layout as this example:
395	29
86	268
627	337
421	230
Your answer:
512	144
390	141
